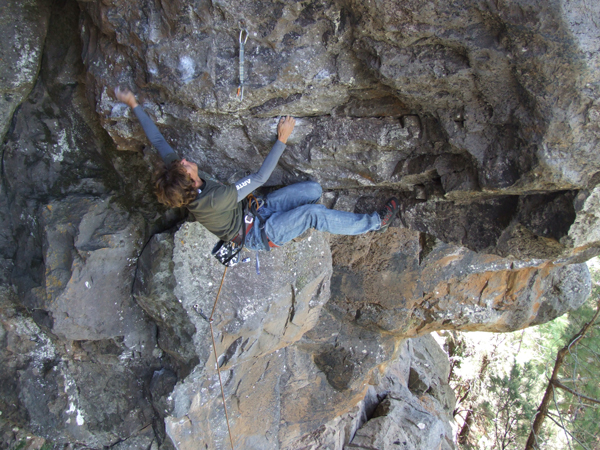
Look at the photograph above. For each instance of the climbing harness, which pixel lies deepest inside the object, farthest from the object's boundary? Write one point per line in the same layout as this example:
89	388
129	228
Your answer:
254	205
228	253
212	335
258	203
243	39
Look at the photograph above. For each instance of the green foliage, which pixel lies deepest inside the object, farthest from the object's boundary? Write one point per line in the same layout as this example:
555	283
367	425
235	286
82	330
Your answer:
512	401
573	418
500	380
497	383
580	372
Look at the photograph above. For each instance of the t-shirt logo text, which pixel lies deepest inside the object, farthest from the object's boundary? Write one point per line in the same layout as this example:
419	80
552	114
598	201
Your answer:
241	185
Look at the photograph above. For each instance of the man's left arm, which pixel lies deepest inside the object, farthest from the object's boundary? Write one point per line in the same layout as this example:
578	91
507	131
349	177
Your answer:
165	151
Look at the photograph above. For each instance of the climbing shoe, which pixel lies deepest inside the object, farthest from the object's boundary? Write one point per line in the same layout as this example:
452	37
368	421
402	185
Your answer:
387	213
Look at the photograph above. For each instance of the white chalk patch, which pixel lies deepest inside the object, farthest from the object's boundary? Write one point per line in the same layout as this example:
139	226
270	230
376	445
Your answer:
323	75
60	147
26	65
187	67
79	418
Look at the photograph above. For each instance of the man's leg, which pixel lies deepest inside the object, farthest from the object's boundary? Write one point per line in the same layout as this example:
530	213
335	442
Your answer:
282	227
283	200
290	197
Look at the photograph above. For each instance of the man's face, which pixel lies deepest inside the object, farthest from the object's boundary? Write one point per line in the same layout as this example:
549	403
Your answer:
192	170
190	167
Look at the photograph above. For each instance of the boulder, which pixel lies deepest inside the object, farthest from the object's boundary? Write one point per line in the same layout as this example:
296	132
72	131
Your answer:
154	288
90	251
255	319
80	391
414	403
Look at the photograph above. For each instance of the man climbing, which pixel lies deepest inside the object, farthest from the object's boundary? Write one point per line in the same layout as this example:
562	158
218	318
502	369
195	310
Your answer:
285	214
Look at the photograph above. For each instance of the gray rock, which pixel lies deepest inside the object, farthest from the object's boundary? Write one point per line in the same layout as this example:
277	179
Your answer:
261	313
256	318
15	351
144	440
385	282
90	252
429	371
84	391
412	411
154	292
585	231
24	26
77	373
463	115
404	423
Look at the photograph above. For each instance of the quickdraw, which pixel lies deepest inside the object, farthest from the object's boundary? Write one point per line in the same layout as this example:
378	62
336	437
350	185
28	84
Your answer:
243	38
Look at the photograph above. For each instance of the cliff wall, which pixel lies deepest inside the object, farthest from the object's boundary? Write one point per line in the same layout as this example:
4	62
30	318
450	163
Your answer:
481	117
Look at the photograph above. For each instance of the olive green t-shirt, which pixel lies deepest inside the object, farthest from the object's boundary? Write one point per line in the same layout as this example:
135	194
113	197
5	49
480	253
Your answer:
217	208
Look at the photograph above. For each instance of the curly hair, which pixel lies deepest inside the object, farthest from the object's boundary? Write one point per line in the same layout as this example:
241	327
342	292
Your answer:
173	186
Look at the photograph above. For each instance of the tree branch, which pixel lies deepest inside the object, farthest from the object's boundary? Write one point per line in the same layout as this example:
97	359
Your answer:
559	384
579	380
466	394
567	434
566	431
542	410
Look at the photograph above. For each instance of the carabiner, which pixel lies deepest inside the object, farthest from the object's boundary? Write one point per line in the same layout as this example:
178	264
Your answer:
243	40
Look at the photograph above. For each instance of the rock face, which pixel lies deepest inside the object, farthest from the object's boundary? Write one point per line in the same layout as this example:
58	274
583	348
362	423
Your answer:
461	102
407	293
24	26
417	402
482	117
254	324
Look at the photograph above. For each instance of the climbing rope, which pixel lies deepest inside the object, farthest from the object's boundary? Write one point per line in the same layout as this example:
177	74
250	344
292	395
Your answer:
243	39
212	335
258	203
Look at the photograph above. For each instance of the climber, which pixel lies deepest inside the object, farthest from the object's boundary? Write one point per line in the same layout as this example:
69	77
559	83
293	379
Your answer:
286	212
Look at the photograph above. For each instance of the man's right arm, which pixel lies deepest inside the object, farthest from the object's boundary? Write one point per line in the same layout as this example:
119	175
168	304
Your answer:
165	151
251	182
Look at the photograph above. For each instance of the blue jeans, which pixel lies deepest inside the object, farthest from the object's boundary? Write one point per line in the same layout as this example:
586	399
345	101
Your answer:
290	211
